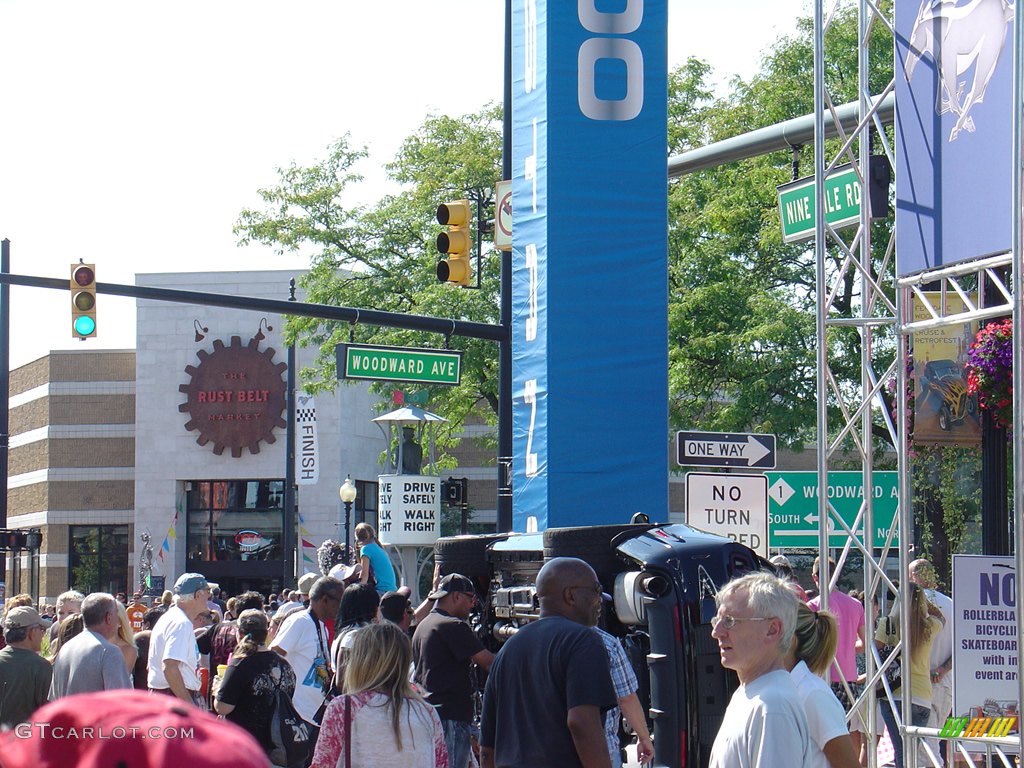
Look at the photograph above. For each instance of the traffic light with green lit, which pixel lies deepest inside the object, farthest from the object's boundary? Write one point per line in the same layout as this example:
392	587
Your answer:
83	300
454	243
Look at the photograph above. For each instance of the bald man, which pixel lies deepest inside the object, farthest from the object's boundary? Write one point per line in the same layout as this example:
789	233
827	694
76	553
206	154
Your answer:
551	680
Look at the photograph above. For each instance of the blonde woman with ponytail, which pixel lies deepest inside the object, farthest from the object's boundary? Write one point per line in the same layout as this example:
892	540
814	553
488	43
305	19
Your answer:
380	721
809	658
248	692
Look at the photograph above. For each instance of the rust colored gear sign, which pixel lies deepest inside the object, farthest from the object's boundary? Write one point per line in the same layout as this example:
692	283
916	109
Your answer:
236	396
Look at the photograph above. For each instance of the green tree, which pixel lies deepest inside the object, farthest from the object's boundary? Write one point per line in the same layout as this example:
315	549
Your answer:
383	256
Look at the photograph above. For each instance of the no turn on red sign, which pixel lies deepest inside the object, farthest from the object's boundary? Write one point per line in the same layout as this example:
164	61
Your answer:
735	506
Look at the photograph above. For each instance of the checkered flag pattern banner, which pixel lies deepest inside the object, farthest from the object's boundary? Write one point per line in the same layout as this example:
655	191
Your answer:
307	450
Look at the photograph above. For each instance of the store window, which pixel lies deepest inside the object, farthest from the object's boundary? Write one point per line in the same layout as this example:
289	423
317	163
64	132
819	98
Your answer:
98	558
365	509
234	519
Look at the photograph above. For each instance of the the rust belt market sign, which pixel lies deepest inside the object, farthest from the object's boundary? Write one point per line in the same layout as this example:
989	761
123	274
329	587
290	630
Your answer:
416	366
985	648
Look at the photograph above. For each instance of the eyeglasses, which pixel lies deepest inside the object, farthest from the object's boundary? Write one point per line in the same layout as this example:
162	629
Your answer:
597	588
728	622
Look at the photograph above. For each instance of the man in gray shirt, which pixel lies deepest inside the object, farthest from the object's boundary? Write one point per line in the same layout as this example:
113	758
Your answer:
90	661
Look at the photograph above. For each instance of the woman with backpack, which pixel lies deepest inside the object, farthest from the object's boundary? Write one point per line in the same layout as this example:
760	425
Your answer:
248	693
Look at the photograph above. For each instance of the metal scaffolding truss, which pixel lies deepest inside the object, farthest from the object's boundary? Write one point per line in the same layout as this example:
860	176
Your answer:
880	320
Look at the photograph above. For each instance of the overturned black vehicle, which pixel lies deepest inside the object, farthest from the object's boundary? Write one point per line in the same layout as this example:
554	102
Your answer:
663	579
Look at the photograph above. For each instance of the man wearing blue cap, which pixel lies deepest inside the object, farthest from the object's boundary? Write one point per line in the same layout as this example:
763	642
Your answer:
173	653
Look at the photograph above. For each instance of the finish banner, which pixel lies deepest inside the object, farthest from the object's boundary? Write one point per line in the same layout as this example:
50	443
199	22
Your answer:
589	261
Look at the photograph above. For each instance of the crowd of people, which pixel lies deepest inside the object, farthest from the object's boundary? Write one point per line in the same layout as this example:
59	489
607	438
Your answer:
346	671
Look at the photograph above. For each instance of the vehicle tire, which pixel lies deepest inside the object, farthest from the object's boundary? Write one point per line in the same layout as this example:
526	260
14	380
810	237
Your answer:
591	544
465	554
945	418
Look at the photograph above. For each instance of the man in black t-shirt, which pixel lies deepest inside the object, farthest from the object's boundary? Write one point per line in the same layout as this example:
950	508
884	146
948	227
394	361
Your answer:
444	648
550	684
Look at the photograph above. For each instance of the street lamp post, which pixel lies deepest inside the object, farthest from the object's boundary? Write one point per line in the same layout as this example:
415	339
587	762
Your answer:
347	492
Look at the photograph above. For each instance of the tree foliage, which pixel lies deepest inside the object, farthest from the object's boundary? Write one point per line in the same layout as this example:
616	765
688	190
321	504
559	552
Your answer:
383	256
741	305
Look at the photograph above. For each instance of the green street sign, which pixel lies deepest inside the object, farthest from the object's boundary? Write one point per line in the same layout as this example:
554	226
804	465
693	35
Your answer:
418	366
793	507
797	209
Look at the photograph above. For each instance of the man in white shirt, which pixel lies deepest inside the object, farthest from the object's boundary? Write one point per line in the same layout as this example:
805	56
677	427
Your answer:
940	663
764	725
173	652
90	661
304	642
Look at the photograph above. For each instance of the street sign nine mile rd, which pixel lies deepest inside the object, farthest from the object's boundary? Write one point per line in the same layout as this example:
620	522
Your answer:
725	449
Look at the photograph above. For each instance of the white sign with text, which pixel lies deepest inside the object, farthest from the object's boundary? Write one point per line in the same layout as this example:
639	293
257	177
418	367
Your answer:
409	509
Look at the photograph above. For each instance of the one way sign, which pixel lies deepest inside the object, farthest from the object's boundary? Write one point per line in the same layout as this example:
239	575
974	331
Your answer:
725	449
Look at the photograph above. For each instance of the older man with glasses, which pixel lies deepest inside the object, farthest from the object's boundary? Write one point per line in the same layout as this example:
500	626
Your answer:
764	725
444	650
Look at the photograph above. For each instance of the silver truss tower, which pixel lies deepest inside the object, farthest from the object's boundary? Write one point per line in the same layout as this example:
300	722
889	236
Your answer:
882	317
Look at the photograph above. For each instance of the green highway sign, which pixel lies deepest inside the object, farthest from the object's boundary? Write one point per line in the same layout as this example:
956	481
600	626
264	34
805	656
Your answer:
418	366
797	208
793	507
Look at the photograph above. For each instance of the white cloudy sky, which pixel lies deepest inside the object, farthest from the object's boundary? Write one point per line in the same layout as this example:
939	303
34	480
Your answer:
133	133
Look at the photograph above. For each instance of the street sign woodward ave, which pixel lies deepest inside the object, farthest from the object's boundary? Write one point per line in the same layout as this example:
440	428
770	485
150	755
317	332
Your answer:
735	506
793	507
408	364
725	449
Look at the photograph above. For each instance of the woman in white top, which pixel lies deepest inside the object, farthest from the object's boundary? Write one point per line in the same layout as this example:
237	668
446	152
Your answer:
809	657
380	721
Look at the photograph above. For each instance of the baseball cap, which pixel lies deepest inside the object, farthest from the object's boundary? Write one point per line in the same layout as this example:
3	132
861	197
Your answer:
306	582
453	582
394	605
24	617
190	583
780	560
122	726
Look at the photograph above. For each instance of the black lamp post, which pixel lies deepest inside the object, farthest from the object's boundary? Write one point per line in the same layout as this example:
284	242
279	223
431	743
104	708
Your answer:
347	492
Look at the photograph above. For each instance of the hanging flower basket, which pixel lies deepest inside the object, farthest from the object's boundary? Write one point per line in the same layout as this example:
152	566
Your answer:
990	371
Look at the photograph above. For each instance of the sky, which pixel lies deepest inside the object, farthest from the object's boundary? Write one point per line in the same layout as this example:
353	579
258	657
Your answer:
133	133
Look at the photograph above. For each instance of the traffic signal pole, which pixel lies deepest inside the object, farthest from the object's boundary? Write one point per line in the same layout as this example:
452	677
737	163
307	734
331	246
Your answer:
442	325
505	345
5	388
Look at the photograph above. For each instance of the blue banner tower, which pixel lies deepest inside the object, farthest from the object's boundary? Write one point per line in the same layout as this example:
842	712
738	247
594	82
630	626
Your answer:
590	283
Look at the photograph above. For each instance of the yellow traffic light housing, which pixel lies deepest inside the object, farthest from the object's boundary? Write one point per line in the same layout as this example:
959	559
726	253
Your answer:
455	243
83	300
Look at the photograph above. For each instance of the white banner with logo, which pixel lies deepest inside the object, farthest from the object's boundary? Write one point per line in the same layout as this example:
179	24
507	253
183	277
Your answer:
985	646
307	457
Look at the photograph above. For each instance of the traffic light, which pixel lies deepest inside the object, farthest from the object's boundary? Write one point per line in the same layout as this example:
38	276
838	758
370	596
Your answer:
83	300
454	243
13	539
